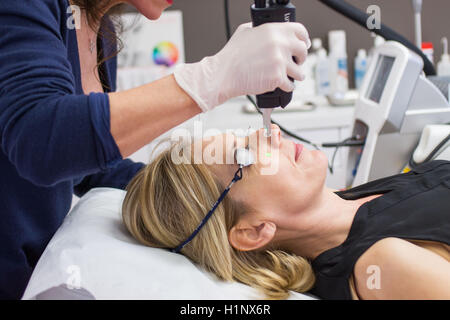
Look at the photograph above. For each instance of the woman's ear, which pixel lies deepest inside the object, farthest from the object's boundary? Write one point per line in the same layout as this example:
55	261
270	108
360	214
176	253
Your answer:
249	234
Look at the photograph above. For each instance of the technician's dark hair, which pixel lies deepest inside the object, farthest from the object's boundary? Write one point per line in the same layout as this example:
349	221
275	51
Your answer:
96	9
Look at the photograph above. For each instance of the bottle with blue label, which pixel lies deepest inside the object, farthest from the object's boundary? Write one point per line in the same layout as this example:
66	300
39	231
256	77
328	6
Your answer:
338	62
322	73
360	67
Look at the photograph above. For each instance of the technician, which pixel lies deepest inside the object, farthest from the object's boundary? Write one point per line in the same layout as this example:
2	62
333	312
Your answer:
64	130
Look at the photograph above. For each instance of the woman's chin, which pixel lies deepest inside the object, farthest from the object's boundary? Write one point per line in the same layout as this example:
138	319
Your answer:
153	14
320	163
320	158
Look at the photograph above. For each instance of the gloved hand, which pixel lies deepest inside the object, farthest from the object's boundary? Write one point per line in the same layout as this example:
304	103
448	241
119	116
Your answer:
254	61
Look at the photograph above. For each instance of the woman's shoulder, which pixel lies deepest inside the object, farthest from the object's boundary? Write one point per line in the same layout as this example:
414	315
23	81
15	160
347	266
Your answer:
36	4
35	20
394	268
43	9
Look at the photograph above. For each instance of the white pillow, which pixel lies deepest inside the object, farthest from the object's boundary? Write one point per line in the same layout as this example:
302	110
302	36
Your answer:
92	251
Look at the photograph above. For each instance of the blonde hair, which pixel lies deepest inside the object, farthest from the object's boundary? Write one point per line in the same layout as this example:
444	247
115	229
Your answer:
165	202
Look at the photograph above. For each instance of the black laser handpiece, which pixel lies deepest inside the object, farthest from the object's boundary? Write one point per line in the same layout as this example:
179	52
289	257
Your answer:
266	11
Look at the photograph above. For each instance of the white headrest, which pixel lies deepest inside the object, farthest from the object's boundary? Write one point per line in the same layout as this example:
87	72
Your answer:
93	251
432	136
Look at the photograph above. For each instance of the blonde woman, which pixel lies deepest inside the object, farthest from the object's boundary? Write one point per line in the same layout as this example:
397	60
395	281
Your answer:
388	239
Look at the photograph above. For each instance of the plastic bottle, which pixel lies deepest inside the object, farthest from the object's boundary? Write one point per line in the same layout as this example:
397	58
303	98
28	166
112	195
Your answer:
360	67
313	56
428	50
338	60
322	73
443	67
311	63
316	44
378	41
307	88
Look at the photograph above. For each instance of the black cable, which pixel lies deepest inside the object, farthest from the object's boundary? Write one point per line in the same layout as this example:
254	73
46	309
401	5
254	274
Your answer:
412	164
350	142
344	143
227	19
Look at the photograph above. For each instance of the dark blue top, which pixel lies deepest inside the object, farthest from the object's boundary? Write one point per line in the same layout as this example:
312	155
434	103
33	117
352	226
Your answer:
54	139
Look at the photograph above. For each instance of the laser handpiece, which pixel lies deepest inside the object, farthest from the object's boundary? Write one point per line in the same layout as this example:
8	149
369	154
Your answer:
266	11
267	121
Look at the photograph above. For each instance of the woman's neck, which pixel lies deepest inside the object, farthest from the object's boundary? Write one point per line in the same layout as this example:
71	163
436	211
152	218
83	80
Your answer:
323	226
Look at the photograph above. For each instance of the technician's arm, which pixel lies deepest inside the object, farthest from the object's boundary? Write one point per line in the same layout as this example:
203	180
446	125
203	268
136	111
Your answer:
141	114
117	177
254	61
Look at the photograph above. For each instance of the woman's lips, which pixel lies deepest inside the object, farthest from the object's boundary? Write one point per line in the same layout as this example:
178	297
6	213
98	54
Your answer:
298	150
170	1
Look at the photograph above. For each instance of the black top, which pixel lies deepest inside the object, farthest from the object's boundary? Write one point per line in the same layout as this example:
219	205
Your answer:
414	206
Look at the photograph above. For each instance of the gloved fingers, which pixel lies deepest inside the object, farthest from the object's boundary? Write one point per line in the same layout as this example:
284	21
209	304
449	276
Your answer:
287	85
300	32
295	72
284	83
244	26
299	51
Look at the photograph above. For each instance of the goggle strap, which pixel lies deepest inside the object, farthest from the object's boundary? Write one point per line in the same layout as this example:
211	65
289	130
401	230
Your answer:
237	177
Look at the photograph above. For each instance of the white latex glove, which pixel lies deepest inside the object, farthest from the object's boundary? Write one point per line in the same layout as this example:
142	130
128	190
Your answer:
254	61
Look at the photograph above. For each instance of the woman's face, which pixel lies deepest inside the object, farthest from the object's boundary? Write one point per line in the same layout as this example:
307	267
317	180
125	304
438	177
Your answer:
285	179
151	9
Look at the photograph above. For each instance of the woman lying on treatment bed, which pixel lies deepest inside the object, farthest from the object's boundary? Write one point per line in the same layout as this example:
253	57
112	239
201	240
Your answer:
387	239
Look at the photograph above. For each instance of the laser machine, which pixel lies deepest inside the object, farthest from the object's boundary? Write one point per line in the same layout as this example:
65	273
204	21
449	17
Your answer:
396	103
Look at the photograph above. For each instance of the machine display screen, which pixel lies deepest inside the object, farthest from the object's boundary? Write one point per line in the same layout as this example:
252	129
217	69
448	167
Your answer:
378	82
